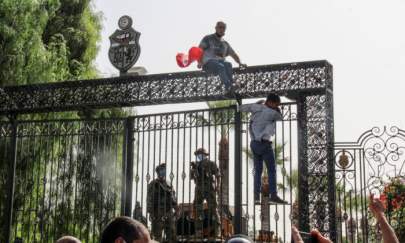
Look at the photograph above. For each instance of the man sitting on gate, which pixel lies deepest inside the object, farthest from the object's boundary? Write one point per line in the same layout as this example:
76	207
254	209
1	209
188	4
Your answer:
262	127
215	50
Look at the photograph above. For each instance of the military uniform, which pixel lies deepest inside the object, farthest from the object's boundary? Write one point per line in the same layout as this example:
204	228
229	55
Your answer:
161	204
206	176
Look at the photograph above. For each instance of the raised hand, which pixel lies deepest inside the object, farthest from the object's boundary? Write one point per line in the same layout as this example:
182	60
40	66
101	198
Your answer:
320	238
296	235
376	206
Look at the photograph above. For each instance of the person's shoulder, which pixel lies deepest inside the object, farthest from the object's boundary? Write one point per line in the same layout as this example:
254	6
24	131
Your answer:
225	41
206	162
154	182
166	183
270	110
212	163
258	106
209	36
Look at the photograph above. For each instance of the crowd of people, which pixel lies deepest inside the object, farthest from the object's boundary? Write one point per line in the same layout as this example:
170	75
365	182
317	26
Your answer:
127	230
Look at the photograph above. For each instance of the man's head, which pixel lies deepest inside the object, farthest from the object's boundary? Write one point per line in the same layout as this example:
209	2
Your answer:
201	154
161	171
125	230
68	239
273	100
220	28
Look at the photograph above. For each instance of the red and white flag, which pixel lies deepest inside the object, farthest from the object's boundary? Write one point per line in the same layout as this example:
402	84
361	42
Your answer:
194	54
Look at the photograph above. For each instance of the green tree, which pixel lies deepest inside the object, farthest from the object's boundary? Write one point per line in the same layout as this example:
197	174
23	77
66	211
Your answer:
48	41
223	145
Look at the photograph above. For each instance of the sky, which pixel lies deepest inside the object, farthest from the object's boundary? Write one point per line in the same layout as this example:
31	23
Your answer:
363	40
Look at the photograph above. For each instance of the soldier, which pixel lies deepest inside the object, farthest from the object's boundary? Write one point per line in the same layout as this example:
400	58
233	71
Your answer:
206	175
161	204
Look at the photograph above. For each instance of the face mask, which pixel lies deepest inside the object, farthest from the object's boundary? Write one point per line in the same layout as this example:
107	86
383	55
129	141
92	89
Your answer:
200	157
162	173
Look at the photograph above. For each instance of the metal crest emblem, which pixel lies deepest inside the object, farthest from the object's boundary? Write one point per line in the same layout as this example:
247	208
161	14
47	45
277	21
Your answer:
124	45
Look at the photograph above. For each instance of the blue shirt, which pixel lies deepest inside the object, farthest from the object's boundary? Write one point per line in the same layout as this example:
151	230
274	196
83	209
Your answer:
262	121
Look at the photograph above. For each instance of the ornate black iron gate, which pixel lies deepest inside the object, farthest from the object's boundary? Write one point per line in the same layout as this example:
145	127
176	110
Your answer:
308	84
172	138
364	167
68	177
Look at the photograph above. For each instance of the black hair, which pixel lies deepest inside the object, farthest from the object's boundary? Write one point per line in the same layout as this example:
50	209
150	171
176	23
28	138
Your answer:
272	97
125	227
159	167
220	22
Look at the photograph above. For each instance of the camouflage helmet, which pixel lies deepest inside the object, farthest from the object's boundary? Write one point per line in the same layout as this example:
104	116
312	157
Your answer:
201	151
159	167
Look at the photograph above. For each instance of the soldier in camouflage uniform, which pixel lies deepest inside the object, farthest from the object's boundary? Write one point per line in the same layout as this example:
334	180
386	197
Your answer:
161	204
206	175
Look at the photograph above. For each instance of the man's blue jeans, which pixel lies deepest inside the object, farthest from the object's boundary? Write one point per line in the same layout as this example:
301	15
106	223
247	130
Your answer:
221	68
263	151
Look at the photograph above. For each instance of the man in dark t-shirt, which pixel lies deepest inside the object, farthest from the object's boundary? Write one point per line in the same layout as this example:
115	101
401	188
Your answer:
216	49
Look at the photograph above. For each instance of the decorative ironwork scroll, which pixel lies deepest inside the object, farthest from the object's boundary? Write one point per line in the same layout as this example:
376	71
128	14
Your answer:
309	84
364	167
288	79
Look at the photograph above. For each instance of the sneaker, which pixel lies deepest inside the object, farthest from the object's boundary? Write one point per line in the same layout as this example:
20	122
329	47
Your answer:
274	199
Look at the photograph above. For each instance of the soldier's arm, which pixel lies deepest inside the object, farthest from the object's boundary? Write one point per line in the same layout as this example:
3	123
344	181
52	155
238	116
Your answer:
149	198
216	170
217	175
193	174
174	198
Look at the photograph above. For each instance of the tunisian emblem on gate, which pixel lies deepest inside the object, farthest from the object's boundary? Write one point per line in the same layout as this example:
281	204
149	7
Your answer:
124	49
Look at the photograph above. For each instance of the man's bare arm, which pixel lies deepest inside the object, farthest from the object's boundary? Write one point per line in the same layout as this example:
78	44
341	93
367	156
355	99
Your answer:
237	59
377	208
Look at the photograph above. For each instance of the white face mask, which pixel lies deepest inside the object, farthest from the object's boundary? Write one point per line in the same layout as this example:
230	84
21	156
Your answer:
200	157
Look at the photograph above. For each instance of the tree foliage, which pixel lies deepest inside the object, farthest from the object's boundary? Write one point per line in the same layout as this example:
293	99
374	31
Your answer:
44	41
47	41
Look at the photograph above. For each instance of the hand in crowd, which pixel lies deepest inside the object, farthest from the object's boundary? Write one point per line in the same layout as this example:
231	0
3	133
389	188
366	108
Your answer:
314	233
376	207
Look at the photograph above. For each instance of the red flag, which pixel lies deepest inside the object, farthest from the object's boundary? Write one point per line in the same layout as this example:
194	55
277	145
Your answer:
194	54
